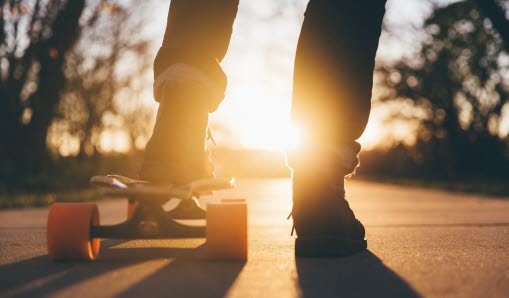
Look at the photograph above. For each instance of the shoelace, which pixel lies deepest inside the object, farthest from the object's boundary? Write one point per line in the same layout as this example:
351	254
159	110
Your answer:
293	225
291	214
210	137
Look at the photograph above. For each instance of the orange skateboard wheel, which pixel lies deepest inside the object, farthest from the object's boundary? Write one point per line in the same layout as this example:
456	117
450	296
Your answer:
131	207
68	231
226	230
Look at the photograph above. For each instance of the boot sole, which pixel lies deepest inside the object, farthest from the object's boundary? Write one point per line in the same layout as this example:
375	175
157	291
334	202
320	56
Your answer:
327	247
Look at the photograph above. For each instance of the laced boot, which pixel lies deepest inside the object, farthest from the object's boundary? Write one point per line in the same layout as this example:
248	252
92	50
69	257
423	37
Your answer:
323	220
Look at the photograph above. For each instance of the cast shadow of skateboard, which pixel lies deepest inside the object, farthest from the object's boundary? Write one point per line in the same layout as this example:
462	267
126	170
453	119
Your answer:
160	271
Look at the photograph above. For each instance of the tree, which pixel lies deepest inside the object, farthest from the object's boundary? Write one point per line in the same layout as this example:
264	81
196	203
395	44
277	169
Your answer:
64	63
34	40
497	15
106	75
458	83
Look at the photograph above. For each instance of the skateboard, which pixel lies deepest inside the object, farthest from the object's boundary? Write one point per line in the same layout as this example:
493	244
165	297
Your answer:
74	230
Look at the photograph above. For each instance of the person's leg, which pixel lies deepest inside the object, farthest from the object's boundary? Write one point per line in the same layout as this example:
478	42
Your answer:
331	104
189	83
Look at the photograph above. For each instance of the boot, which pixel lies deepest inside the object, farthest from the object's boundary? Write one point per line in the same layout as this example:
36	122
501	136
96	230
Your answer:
175	153
323	220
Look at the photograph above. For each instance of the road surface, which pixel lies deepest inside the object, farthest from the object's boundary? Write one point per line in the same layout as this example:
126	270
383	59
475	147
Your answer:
421	243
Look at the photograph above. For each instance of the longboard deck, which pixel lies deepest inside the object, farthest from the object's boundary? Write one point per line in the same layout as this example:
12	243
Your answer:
127	180
121	186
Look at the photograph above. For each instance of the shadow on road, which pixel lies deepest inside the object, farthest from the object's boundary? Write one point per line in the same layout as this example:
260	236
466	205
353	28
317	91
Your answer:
189	275
186	273
361	275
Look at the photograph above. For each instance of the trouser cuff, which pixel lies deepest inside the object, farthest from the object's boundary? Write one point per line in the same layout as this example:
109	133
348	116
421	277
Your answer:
181	72
174	65
335	161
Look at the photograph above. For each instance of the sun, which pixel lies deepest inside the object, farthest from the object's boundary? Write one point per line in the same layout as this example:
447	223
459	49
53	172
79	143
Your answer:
274	134
267	130
259	120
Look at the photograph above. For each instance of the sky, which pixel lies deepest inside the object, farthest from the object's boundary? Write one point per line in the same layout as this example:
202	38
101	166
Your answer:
255	113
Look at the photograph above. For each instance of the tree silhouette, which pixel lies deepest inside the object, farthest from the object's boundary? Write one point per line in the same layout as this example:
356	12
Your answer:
33	44
458	83
496	12
59	64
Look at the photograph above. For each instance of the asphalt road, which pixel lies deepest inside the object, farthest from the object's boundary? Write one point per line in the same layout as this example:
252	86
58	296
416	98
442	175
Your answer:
421	243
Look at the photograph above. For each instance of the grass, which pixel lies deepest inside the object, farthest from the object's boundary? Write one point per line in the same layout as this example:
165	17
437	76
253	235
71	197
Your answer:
46	199
496	188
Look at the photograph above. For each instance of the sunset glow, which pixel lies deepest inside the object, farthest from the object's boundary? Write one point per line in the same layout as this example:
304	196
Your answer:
255	113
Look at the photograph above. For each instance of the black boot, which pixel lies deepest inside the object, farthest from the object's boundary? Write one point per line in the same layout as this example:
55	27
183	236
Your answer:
175	154
323	220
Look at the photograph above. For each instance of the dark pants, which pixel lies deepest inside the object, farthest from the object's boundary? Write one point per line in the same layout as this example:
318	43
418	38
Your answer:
334	63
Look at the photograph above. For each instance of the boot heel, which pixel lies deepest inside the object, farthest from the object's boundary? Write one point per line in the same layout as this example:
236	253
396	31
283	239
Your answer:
327	247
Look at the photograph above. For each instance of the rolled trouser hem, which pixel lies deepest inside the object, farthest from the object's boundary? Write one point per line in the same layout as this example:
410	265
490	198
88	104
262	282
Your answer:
181	72
337	160
172	63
